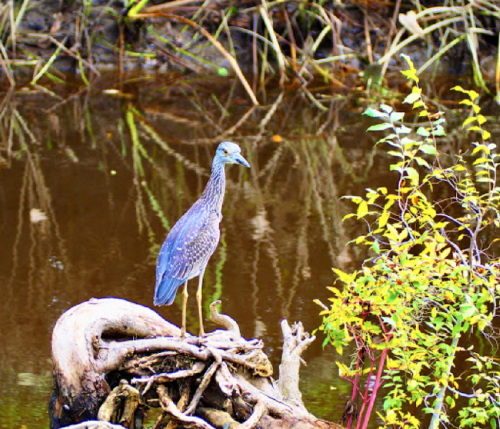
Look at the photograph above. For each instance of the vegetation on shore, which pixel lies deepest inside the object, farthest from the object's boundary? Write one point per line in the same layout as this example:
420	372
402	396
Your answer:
427	297
293	41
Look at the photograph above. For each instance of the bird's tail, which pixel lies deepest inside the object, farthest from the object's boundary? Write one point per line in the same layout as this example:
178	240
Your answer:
165	290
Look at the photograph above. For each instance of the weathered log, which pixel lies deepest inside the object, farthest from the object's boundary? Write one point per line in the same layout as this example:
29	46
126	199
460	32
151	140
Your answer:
221	380
294	344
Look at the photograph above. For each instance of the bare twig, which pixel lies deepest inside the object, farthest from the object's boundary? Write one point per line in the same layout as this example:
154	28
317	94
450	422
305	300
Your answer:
225	380
162	378
114	354
201	388
223	319
259	411
168	405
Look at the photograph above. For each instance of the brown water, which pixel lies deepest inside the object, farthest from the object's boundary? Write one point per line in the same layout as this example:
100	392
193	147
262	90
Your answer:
110	182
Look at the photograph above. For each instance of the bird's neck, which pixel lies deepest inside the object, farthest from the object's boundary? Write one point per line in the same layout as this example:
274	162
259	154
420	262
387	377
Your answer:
216	188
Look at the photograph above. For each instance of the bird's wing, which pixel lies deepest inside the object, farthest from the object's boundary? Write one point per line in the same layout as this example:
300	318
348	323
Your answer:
185	252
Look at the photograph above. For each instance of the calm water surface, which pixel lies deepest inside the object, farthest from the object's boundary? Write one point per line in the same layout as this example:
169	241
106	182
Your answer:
91	182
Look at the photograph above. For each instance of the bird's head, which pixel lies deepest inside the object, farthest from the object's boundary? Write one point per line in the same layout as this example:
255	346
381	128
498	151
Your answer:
230	153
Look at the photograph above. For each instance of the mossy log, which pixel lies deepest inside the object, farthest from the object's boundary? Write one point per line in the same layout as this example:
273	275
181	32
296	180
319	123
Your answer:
113	360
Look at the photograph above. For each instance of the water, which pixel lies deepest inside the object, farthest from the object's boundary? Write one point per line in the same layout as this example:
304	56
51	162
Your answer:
110	173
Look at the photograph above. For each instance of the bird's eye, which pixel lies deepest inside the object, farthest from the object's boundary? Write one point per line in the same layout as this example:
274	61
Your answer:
226	152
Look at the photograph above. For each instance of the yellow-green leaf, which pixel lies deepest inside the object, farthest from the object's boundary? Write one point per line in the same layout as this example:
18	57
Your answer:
384	217
362	209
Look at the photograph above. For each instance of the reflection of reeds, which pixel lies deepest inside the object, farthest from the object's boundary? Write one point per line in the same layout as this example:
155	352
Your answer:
163	166
39	263
37	223
219	266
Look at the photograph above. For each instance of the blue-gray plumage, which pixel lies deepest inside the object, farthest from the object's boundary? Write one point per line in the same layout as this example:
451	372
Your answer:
194	238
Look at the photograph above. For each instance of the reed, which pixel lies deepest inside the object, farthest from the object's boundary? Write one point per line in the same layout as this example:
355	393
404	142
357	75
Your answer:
291	40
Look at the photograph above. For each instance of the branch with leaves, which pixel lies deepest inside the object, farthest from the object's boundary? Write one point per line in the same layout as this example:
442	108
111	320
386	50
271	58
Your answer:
431	279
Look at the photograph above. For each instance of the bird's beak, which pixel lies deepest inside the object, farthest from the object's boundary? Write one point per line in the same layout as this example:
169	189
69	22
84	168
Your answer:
237	158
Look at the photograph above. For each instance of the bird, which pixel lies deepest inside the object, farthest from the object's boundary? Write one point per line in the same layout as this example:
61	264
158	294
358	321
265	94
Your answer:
193	239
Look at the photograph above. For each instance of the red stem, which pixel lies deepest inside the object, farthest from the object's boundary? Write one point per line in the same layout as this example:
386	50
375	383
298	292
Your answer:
376	386
355	386
365	396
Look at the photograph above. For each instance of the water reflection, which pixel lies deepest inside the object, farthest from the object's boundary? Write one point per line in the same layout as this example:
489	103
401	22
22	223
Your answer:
92	181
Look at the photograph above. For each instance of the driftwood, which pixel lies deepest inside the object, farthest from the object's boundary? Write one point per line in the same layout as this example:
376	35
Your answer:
113	360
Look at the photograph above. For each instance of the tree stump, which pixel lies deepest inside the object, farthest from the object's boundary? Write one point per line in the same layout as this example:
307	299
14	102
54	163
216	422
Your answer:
114	359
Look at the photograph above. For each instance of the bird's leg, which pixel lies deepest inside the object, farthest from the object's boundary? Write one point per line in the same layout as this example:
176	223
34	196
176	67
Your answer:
184	305
198	300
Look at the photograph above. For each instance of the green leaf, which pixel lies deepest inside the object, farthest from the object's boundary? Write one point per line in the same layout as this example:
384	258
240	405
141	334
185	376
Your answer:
386	108
484	180
456	330
396	116
424	132
137	8
412	173
428	149
373	113
396	154
439	131
403	130
380	127
467	311
411	98
422	162
222	71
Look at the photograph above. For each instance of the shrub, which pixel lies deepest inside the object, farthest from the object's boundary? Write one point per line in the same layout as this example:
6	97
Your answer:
431	283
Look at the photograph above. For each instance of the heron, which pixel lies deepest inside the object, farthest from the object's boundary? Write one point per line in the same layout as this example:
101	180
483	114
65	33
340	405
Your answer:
194	238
